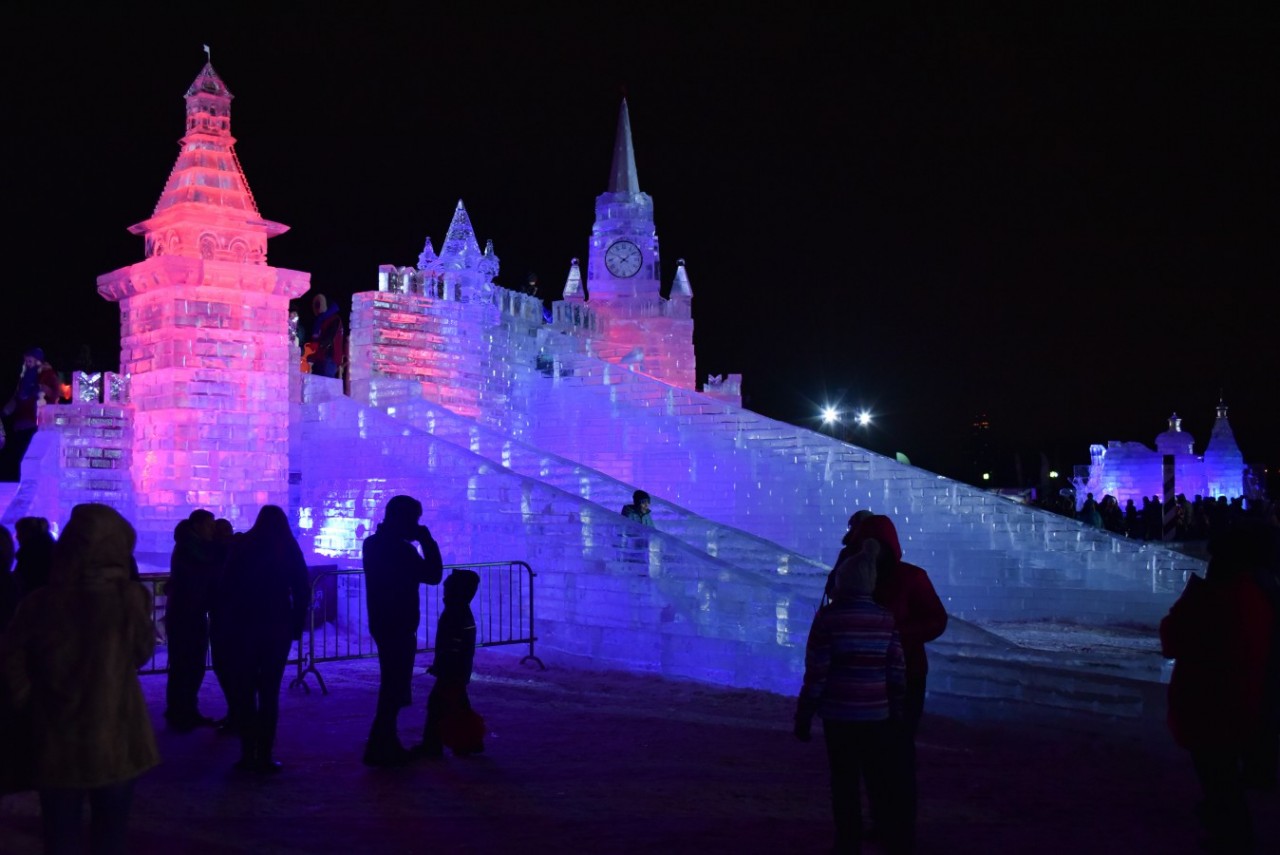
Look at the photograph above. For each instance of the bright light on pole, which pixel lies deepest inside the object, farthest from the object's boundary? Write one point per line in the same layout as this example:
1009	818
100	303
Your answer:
864	418
830	415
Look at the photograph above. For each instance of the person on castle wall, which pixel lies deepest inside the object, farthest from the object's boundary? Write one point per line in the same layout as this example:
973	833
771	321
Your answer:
326	349
68	666
905	590
35	554
393	570
855	681
1219	634
193	567
638	510
37	384
450	720
260	606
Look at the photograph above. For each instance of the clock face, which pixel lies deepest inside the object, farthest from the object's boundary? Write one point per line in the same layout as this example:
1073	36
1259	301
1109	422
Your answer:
623	258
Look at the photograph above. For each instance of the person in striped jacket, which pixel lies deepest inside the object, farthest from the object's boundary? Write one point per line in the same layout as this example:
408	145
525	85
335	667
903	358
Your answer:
855	681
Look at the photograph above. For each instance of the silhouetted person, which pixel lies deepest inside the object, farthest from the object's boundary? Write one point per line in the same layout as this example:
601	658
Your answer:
1262	758
920	617
326	348
1219	635
260	606
70	661
35	554
449	714
855	681
37	383
393	570
845	552
193	567
638	510
8	581
223	536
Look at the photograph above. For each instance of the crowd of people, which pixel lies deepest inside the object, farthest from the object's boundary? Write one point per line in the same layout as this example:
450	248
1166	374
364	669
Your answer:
1196	519
76	625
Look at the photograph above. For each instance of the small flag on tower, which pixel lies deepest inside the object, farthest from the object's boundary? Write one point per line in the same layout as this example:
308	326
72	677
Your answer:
208	55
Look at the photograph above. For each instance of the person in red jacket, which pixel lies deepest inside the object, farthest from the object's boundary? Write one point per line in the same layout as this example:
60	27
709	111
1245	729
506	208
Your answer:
1219	635
905	590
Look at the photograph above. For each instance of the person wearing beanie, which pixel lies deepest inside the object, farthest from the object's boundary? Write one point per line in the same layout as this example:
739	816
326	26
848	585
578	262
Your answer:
855	681
906	591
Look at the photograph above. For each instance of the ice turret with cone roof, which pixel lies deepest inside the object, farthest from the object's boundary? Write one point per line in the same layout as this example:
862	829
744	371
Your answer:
573	282
207	177
204	336
1223	461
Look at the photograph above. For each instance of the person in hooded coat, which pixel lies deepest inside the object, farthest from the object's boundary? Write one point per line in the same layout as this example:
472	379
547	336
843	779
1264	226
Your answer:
260	608
68	669
854	679
905	590
35	553
455	656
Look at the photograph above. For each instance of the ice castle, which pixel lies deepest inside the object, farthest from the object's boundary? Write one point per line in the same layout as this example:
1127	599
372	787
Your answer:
524	437
1132	471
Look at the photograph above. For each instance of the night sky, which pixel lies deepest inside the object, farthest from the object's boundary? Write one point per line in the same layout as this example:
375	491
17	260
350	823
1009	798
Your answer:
1068	226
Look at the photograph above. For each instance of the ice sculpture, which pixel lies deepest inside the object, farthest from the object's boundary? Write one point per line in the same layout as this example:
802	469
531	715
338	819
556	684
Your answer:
204	326
1132	471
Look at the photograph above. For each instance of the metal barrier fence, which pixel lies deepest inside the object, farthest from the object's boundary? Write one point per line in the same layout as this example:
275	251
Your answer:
337	626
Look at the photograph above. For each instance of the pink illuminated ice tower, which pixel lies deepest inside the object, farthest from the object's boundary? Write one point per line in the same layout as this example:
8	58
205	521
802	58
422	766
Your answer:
204	334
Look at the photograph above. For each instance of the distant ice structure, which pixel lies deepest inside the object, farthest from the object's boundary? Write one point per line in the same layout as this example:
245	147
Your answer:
1132	471
524	438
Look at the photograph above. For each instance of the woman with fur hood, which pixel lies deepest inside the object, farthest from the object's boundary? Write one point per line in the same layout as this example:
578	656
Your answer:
69	684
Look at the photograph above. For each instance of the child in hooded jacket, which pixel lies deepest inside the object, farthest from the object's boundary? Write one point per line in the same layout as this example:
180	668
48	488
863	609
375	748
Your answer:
450	719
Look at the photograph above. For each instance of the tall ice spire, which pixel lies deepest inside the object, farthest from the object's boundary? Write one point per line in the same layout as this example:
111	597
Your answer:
623	178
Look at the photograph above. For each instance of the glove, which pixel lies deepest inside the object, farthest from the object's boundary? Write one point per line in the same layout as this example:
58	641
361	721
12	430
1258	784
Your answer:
803	728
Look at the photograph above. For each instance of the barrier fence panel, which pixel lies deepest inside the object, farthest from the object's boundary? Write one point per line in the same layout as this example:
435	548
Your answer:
156	583
338	625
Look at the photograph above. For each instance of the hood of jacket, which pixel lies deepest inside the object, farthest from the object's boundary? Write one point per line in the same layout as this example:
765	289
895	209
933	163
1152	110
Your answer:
880	528
460	587
97	545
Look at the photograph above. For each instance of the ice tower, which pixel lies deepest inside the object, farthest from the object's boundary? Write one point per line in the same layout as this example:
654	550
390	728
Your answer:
1223	463
627	320
204	334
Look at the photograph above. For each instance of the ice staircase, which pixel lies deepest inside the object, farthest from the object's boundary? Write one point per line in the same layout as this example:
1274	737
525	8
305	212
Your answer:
991	558
606	589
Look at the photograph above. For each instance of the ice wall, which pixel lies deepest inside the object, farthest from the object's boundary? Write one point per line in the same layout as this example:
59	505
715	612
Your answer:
990	558
606	588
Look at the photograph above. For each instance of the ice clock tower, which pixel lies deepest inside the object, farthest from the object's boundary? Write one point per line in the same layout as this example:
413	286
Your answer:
623	260
628	320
